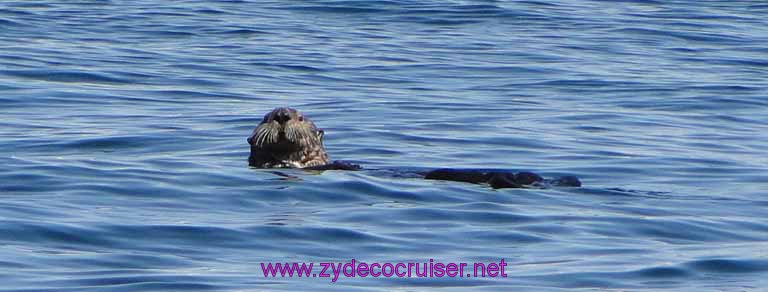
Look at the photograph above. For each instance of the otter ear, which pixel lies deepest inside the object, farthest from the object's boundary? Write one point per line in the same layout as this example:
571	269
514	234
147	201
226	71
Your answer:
320	134
250	140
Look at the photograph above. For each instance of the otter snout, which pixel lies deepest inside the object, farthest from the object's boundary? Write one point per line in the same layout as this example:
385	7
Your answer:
282	116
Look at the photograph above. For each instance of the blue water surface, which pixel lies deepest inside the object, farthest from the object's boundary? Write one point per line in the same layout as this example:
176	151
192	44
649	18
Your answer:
124	160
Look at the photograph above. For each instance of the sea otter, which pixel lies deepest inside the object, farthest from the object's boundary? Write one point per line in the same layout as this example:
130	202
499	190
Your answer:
286	138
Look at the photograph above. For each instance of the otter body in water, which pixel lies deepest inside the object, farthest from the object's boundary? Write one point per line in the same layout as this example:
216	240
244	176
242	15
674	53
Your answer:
285	138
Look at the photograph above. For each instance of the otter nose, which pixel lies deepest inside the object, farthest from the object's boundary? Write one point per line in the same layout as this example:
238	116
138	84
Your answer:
282	116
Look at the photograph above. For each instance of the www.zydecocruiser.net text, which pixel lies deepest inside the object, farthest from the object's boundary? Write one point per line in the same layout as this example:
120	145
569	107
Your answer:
355	268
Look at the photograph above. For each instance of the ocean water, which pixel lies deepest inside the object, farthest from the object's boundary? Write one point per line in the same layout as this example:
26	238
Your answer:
124	160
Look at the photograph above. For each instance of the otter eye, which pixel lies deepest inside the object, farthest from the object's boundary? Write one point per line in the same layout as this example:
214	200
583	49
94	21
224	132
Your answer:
301	118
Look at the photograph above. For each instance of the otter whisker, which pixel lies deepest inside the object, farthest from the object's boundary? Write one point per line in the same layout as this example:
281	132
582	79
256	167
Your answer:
264	134
256	136
272	138
269	135
259	136
253	136
291	133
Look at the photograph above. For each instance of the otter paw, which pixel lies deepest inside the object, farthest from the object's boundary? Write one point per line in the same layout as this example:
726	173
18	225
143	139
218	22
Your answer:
336	165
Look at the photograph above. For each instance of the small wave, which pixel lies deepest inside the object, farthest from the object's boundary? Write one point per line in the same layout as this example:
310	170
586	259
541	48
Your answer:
244	31
729	266
66	76
5	23
169	33
682	35
335	9
113	142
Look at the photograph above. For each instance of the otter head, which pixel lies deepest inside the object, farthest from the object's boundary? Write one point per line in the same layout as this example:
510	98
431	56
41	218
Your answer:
286	138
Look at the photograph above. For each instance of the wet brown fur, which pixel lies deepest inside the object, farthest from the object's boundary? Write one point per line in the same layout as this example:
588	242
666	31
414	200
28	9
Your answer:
285	138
